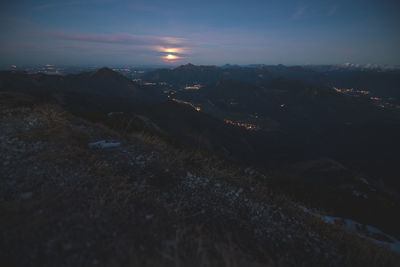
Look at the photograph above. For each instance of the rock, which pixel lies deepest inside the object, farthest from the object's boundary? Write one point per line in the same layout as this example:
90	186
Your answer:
103	144
26	195
67	246
249	171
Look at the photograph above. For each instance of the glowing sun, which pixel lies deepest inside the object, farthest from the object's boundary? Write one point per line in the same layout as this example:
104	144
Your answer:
171	57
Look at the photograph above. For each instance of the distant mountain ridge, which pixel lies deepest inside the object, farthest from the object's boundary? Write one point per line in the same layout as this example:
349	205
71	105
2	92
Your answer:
206	75
380	83
102	81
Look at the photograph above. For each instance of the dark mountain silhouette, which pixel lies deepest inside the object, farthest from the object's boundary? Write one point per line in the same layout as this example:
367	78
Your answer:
287	100
102	81
187	74
380	83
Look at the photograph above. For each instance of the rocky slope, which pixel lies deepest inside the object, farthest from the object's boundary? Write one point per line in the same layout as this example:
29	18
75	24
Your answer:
146	202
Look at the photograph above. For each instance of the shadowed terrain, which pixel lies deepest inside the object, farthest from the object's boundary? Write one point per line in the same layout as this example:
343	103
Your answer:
118	173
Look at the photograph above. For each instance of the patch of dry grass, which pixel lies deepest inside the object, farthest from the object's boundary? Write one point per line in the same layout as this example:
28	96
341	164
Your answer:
101	218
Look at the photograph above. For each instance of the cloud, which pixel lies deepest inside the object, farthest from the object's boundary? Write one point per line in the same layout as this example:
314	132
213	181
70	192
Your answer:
145	42
126	44
69	3
122	38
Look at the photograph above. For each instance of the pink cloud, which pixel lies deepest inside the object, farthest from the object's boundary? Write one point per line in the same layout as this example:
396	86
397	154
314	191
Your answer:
123	39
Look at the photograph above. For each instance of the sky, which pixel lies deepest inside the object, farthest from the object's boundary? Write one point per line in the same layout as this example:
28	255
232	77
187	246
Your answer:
175	32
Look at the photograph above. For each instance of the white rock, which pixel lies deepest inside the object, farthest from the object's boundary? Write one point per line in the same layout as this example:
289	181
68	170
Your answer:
104	144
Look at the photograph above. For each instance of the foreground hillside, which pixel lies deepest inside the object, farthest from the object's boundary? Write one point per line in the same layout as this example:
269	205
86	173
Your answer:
331	151
144	201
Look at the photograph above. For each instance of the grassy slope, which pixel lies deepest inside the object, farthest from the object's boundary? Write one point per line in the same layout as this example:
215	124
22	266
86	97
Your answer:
147	202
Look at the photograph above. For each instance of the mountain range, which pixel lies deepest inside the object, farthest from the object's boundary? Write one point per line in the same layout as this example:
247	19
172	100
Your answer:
290	127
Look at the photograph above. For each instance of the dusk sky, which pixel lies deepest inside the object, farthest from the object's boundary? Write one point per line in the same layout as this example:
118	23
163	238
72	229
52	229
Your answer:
111	32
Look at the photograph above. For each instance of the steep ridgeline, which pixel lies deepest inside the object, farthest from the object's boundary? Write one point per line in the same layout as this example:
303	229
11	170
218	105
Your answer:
77	193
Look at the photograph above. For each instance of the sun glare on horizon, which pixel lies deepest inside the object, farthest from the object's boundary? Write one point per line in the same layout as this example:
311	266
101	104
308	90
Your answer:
172	50
171	57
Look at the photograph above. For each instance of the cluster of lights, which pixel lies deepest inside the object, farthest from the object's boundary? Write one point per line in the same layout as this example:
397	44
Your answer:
193	87
354	91
186	103
378	101
381	103
247	126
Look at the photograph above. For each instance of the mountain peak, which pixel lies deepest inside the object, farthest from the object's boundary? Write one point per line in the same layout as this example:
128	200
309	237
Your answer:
187	66
108	74
103	70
